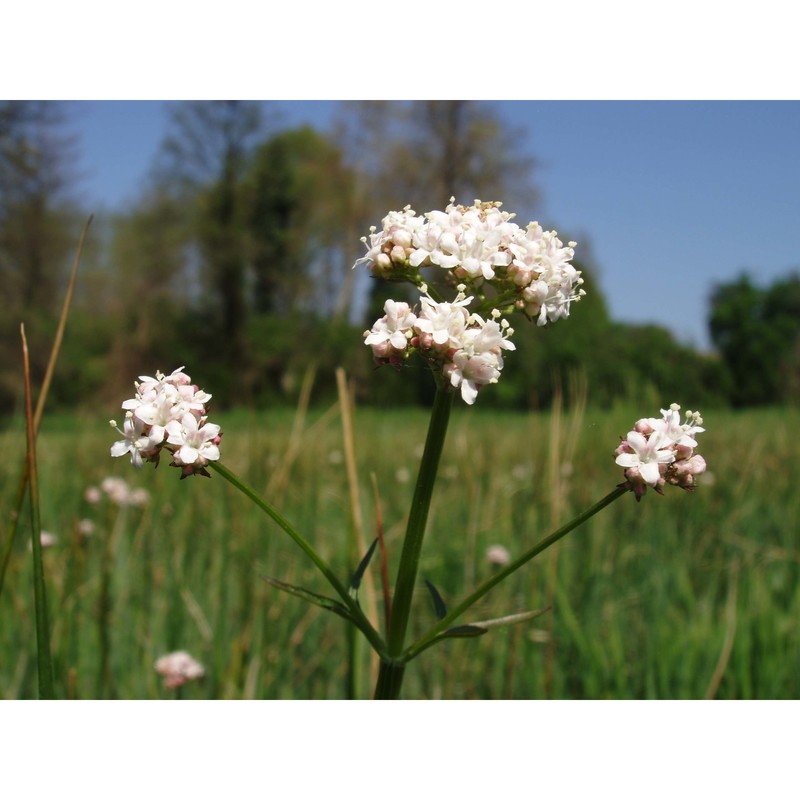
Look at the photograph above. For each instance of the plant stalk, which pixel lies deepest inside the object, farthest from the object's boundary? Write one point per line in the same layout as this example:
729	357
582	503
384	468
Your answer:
390	675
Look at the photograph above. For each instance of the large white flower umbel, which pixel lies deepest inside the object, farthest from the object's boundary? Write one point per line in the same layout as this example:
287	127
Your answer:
480	251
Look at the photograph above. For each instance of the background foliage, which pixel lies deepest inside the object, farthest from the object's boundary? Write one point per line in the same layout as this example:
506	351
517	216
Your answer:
237	256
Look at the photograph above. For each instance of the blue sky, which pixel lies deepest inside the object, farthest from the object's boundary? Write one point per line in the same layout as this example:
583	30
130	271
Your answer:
665	198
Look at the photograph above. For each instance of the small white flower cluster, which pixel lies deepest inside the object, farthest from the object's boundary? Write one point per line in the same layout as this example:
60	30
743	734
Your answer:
118	492
47	539
178	668
661	451
467	348
480	244
498	556
169	412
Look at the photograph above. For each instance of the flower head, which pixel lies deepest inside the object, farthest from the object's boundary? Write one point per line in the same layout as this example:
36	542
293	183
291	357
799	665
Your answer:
168	412
661	451
178	668
496	267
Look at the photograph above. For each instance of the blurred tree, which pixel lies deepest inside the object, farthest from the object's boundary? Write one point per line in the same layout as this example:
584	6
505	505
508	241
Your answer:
207	152
300	198
757	333
152	288
39	225
424	152
37	215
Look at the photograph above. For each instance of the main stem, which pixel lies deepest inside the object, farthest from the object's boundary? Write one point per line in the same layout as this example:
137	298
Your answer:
392	667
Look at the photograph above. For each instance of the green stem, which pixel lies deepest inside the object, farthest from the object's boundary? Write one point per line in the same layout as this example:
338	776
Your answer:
357	615
390	679
429	638
43	658
390	675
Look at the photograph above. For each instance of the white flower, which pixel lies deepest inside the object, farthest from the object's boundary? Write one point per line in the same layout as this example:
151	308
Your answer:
658	452
498	556
178	668
675	431
395	327
197	443
646	456
46	539
167	406
471	371
445	322
136	441
93	495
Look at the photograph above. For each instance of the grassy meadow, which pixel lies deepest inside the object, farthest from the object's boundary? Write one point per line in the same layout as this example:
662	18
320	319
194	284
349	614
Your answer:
680	596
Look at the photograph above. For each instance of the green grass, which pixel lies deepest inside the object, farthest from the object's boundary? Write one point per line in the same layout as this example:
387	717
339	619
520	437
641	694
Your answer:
674	597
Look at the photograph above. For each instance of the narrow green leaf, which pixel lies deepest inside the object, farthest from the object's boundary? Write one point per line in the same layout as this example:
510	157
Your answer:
359	573
512	619
328	603
463	631
440	609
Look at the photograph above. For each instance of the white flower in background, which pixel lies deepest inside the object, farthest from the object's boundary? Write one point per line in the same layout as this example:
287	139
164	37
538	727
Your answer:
168	412
119	493
661	451
178	668
46	539
498	556
93	495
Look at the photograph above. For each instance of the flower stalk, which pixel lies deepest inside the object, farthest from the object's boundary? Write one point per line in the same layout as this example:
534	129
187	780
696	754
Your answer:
391	671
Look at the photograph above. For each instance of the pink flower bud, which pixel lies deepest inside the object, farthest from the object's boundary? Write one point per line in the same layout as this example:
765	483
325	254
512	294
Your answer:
398	255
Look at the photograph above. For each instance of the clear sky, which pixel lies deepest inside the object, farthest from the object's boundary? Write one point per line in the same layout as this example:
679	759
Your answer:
665	198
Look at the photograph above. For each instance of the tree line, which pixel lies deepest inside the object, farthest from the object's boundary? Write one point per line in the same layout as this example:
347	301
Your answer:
236	260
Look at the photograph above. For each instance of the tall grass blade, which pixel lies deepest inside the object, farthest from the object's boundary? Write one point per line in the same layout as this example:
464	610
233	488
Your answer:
44	661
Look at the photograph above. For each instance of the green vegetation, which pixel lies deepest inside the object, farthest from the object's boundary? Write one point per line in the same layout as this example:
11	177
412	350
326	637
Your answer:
675	597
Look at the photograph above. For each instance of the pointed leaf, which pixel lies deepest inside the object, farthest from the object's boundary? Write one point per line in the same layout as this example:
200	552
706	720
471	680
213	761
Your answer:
359	573
463	632
438	604
327	603
511	619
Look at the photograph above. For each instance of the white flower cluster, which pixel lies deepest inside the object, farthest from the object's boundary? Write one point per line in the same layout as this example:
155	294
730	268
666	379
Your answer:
467	348
118	492
529	268
178	668
661	451
168	411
